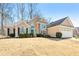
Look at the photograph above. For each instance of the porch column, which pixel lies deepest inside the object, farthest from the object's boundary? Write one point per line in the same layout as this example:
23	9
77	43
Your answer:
16	32
34	32
6	33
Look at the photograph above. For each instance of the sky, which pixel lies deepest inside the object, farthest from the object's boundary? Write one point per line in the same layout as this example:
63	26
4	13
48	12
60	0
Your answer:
52	11
56	11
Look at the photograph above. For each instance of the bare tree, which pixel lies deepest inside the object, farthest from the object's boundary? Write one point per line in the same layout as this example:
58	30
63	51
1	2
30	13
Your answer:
4	12
32	10
2	8
21	10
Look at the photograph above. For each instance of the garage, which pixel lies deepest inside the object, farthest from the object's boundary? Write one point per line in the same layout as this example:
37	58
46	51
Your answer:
63	26
67	34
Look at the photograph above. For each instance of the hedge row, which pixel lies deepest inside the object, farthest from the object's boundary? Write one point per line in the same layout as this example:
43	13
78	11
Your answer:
58	35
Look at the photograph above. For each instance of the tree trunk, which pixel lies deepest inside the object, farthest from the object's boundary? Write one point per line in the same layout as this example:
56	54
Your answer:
2	27
2	18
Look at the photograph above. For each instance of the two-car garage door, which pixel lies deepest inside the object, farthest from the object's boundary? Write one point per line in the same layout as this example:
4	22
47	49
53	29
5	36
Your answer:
67	34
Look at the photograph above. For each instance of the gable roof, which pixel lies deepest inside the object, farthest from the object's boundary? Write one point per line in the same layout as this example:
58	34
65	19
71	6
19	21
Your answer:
19	23
58	22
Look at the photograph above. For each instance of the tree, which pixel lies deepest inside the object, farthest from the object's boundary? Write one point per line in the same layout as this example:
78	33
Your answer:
29	12
33	11
21	10
2	8
4	12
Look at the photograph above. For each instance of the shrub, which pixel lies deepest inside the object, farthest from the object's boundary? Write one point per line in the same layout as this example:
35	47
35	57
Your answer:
40	35
26	35
31	35
58	34
12	35
47	36
22	35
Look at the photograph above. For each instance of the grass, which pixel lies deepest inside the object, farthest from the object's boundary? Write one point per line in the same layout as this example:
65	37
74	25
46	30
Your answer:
38	47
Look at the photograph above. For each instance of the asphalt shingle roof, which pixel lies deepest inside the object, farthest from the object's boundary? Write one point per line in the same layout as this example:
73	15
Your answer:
58	22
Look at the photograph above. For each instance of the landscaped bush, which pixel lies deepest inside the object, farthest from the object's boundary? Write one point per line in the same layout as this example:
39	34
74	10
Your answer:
12	35
40	35
22	35
47	36
58	34
25	35
28	36
31	35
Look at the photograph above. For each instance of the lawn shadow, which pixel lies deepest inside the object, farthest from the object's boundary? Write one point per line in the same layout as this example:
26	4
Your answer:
5	38
58	39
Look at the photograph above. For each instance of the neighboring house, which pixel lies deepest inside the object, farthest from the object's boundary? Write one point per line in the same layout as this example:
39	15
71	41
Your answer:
63	25
76	31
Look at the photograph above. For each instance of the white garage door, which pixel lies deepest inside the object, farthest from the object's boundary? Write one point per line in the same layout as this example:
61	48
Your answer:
66	34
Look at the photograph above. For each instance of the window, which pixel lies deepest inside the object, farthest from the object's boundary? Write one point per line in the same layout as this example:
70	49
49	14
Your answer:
22	30
42	26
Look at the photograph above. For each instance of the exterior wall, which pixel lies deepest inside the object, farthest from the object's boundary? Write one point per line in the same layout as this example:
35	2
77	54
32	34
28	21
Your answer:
67	22
37	26
16	26
24	28
42	27
52	31
5	31
65	28
66	31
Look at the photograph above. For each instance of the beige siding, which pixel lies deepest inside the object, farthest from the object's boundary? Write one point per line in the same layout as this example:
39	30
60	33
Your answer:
52	31
65	28
67	22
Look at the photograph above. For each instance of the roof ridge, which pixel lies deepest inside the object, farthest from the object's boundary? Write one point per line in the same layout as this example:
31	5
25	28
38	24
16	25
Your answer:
57	22
61	19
